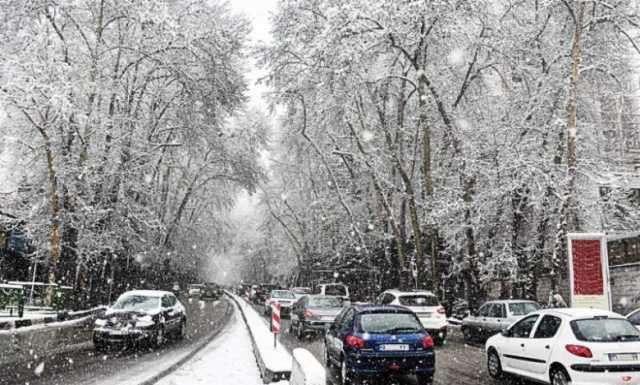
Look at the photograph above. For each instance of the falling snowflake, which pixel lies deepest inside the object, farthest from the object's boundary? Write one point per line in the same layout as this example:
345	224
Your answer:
367	135
456	57
39	369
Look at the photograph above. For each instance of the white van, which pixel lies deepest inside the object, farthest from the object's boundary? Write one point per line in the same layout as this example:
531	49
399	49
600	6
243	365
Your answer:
338	290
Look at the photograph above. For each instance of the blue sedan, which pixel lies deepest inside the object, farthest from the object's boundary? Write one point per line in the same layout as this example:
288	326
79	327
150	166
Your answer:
369	341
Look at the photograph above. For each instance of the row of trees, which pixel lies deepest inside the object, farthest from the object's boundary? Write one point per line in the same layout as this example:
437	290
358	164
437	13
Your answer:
461	139
129	122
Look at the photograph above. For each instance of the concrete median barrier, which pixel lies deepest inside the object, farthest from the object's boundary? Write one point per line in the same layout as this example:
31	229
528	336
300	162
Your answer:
306	369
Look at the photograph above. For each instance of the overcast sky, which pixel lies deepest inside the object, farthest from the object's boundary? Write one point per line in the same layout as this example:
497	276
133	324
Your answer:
258	12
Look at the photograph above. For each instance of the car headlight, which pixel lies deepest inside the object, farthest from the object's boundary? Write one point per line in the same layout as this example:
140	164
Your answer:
144	321
100	322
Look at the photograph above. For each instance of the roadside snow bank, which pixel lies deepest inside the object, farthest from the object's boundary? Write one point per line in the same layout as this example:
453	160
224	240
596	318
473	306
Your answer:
275	362
306	369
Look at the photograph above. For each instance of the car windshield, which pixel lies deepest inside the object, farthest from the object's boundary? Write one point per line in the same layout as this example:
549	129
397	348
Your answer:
418	300
389	323
324	302
286	294
335	290
523	308
604	329
137	303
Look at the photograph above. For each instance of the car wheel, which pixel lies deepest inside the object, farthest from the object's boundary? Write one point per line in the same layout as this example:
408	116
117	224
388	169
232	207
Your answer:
466	334
494	367
182	332
99	346
159	337
346	378
300	331
559	376
424	379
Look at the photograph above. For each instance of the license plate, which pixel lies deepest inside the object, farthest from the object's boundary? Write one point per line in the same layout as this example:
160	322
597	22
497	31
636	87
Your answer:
327	318
425	315
394	347
118	332
623	357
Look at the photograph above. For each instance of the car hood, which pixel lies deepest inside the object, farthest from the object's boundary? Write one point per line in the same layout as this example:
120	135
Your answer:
128	314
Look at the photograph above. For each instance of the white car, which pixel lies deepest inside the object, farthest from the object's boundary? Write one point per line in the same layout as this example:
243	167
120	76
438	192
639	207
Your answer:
337	290
425	305
285	298
562	346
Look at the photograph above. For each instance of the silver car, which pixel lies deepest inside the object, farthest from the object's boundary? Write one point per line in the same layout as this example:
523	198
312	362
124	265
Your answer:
313	313
494	316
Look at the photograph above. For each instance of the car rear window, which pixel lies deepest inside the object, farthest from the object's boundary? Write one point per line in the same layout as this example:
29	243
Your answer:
324	302
604	329
389	323
282	294
418	300
523	308
335	290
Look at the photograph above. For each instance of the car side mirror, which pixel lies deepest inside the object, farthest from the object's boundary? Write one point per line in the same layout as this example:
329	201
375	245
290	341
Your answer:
505	333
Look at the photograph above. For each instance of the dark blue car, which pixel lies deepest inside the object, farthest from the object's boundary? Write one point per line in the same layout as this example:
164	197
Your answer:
367	341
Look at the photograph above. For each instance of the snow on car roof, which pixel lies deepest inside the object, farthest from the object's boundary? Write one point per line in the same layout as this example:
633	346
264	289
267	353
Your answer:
577	313
416	292
147	293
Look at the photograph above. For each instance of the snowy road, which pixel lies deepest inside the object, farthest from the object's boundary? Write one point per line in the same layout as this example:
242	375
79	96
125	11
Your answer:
457	363
128	368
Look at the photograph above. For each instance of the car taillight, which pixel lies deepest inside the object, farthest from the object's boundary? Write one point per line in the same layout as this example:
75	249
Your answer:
355	342
427	342
580	351
308	314
441	310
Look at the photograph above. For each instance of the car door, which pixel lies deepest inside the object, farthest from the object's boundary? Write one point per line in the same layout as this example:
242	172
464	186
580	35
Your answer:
481	321
167	314
331	341
539	347
497	319
513	351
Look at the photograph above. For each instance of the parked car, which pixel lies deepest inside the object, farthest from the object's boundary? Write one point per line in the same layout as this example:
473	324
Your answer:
425	305
495	316
562	346
313	313
140	317
195	290
634	318
334	290
301	291
368	341
284	297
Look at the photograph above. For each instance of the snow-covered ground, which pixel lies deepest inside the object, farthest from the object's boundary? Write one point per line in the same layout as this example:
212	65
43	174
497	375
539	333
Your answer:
227	360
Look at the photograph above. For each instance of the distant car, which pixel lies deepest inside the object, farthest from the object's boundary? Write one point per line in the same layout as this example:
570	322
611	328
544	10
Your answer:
195	290
140	317
284	297
313	313
301	291
563	346
367	341
425	305
338	290
495	316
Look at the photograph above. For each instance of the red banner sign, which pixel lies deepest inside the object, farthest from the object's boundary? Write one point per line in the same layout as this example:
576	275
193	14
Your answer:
275	318
589	271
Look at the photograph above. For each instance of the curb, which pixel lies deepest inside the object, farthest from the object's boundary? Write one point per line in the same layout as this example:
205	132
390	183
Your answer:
220	326
268	376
